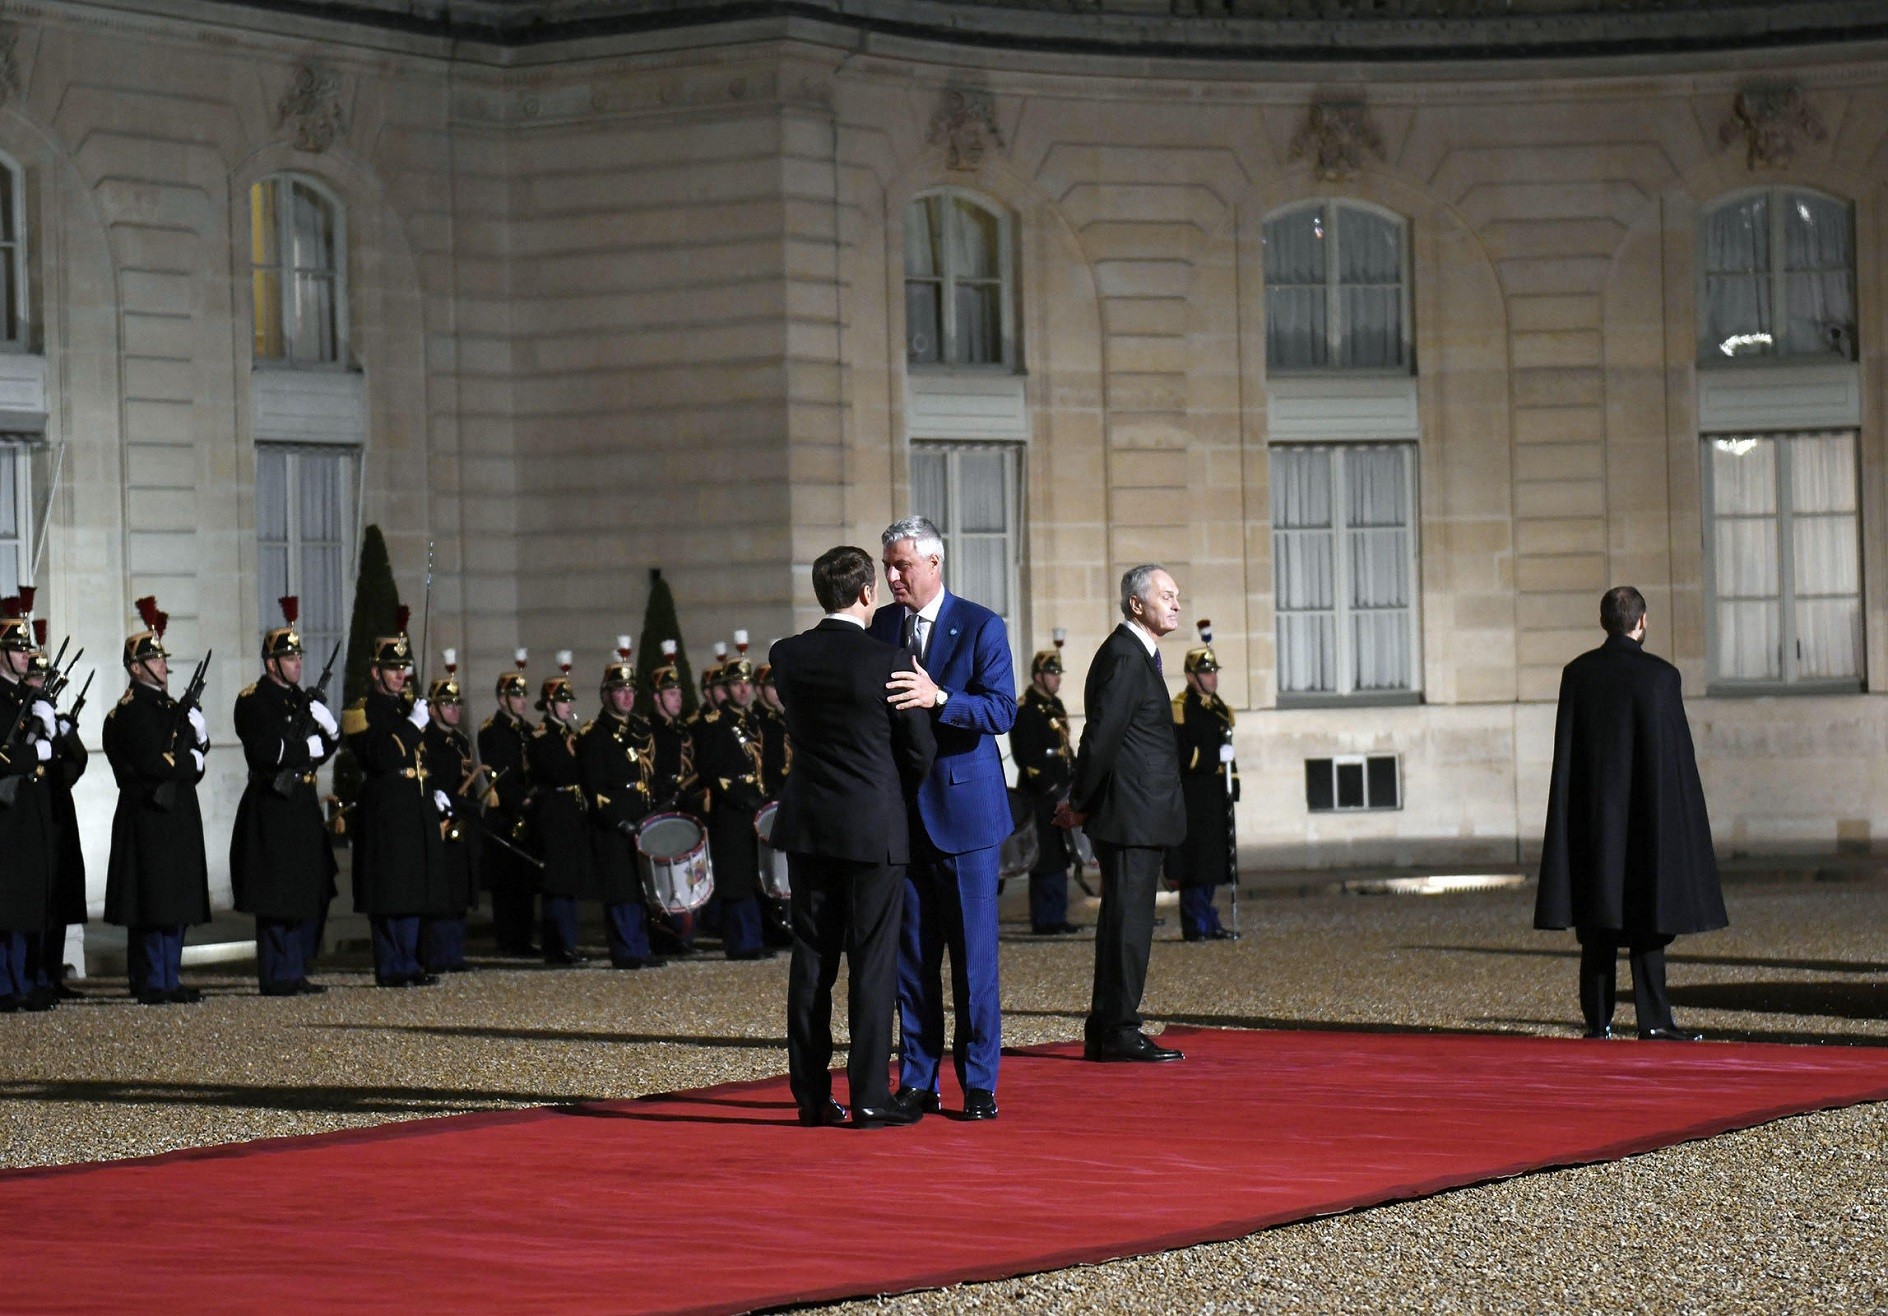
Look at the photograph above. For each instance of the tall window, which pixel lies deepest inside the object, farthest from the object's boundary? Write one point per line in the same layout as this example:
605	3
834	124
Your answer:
1335	294
297	256
16	515
305	536
971	492
12	256
958	303
1778	276
1785	559
1344	569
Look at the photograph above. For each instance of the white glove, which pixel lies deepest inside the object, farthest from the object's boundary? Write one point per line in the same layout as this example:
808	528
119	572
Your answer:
65	725
324	719
1225	754
418	716
316	747
198	725
43	748
47	719
197	756
441	803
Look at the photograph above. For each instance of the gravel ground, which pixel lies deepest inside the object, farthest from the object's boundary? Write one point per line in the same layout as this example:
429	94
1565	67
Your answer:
1790	1217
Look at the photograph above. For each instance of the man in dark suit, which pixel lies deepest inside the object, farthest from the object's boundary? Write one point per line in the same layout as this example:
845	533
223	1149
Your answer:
1627	859
842	822
962	678
1127	796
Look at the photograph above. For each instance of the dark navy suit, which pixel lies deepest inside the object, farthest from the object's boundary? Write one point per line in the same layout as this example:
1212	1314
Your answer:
963	815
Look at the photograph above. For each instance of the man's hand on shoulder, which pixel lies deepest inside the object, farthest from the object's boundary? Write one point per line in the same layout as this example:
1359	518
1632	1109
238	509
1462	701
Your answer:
913	689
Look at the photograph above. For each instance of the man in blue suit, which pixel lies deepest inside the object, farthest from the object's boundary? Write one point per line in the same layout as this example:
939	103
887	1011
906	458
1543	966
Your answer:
961	816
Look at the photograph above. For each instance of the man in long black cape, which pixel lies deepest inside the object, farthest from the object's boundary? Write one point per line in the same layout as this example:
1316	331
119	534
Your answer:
1627	859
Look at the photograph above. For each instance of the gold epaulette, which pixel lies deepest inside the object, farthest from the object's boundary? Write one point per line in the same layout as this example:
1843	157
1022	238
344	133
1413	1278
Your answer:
1180	709
246	691
354	718
712	715
584	730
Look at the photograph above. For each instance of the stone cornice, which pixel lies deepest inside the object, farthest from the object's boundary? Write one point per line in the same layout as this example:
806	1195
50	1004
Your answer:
1270	31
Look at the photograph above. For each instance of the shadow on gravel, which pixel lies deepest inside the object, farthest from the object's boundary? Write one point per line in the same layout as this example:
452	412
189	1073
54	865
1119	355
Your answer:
1283	1025
1836	1000
561	1035
1679	957
345	1100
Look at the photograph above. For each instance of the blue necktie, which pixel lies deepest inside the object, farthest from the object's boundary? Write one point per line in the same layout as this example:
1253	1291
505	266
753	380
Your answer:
1159	668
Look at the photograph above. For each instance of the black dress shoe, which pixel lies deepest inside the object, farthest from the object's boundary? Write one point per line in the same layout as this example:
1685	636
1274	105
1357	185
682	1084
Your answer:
277	989
830	1115
1137	1047
565	959
1222	934
151	996
1600	1034
9	1003
39	999
306	988
1669	1033
979	1104
186	995
888	1117
916	1100
422	980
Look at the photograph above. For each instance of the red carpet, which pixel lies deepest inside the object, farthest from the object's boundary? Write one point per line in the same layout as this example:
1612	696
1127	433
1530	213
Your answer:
716	1201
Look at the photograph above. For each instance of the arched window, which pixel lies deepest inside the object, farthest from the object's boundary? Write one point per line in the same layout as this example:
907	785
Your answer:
297	254
959	281
1777	277
1336	288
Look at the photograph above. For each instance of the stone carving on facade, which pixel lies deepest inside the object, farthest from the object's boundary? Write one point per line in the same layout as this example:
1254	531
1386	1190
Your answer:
965	126
312	105
1771	121
1335	137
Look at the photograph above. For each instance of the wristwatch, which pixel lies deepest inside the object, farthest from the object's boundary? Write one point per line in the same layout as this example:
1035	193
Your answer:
943	697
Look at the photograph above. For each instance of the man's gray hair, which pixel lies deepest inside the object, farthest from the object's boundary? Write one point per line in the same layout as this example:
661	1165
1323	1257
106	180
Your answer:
1135	582
918	529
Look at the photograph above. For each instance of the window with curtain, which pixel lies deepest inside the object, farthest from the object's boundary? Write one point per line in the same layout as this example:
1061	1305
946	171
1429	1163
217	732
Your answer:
298	277
1335	295
958	283
971	493
1344	569
305	538
16	516
1786	577
1777	277
12	256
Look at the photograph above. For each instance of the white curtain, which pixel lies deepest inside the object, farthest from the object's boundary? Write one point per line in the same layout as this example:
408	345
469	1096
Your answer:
1295	290
1826	556
1736	315
1818	263
1370	286
272	530
14	550
1378	503
924	308
967	491
1304	569
312	233
305	538
977	284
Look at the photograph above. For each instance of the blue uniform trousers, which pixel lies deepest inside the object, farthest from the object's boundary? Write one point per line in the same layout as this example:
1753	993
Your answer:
1198	918
1049	898
396	949
281	944
627	933
557	931
155	955
16	978
740	926
442	944
950	905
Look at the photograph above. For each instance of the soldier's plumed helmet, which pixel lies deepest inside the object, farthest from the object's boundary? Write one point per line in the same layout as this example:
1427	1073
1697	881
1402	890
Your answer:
764	674
1047	661
41	661
147	645
514	682
1202	659
555	690
665	677
619	675
445	690
392	651
284	641
735	669
711	676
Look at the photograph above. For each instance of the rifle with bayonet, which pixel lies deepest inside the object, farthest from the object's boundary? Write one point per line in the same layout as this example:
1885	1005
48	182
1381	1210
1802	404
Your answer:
165	796
287	779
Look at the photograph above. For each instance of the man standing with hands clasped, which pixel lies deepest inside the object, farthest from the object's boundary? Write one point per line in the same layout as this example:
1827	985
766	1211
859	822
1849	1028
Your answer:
1126	796
842	822
965	683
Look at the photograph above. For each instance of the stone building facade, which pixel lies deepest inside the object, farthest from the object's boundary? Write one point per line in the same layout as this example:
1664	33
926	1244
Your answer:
1393	329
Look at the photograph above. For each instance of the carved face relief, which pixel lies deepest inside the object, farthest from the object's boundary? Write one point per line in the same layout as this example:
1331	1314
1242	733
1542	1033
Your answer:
965	126
1771	120
1336	137
313	105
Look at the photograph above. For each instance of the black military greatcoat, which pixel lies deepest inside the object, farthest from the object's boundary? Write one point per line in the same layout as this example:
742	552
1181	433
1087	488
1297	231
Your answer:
159	876
559	816
69	904
28	840
674	783
1201	724
776	750
502	742
281	865
617	760
449	758
398	871
728	760
1039	743
1628	842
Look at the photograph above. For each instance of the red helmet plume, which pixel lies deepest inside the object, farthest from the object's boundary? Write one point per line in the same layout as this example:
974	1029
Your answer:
291	608
147	611
40	631
27	595
400	617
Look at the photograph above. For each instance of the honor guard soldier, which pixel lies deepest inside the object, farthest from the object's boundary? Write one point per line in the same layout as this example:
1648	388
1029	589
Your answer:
456	771
67	903
559	817
776	761
674	785
27	838
1209	782
617	756
512	878
1039	744
713	693
400	821
728	757
281	861
158	882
